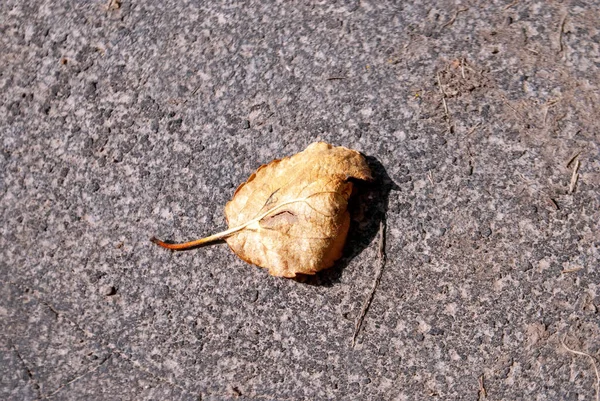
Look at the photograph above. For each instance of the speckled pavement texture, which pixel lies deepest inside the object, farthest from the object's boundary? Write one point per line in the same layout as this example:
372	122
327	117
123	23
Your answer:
131	119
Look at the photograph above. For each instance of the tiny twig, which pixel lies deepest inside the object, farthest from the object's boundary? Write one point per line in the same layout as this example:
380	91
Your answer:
513	109
335	78
593	364
571	270
510	5
482	390
444	99
462	68
553	203
442	92
547	198
574	177
462	10
473	129
548	104
369	299
561	30
572	159
264	121
113	5
430	177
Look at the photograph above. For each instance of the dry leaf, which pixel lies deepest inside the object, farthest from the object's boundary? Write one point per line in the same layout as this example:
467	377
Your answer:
291	215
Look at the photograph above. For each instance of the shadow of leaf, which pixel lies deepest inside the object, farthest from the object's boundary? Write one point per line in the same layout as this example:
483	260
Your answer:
368	206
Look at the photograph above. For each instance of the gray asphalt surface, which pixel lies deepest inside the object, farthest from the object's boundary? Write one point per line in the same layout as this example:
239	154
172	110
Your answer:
126	120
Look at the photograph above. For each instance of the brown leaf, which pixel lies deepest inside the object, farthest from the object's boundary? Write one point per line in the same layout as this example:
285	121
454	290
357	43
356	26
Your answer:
291	215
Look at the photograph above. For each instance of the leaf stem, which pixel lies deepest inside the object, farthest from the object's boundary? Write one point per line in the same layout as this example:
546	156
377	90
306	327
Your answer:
198	242
231	231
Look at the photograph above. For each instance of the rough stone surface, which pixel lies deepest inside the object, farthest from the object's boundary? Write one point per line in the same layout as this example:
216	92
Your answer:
125	120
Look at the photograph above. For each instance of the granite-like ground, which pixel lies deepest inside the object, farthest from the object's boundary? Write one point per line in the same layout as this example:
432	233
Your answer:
126	119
